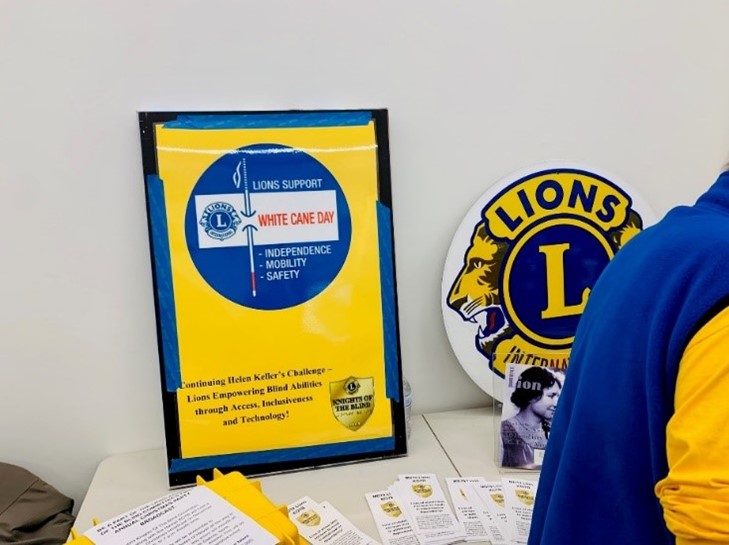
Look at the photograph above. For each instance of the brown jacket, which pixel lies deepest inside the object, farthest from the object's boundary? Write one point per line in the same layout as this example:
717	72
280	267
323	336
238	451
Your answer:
32	512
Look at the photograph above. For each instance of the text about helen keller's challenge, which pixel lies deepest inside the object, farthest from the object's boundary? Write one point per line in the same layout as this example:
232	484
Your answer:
253	398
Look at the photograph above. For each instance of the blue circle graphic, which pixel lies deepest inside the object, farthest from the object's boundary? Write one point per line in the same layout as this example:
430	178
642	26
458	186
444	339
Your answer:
583	257
276	271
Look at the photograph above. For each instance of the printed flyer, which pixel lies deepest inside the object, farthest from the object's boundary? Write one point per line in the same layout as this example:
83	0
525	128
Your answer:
272	254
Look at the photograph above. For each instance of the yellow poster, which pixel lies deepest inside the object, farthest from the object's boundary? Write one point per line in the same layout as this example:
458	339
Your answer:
272	252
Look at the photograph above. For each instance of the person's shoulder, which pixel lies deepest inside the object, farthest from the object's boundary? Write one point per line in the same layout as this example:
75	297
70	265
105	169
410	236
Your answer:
687	231
688	222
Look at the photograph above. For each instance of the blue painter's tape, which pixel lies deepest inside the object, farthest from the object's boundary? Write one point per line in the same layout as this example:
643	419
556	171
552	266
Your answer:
389	310
271	120
179	465
163	275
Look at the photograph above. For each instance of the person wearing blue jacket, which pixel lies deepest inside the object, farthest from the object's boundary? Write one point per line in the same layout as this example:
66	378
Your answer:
638	452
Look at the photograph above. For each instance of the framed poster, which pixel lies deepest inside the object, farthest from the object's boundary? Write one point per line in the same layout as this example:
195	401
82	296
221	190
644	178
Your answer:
274	281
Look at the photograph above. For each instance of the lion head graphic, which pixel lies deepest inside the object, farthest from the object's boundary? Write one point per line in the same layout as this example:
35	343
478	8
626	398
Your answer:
619	237
475	292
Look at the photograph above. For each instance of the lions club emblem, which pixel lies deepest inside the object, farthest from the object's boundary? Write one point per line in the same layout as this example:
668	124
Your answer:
220	220
523	262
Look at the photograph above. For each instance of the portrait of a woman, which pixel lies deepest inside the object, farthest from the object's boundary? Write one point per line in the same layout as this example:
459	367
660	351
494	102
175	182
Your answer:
524	435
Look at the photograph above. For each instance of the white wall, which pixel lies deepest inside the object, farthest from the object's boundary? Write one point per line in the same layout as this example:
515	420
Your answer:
475	91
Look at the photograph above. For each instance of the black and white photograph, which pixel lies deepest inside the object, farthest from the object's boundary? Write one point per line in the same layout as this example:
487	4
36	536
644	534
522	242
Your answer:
531	394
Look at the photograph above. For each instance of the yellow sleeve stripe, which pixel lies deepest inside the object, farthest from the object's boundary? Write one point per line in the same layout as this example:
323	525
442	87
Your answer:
695	493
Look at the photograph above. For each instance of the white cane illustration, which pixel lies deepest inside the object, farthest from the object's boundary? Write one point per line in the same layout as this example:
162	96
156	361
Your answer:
247	213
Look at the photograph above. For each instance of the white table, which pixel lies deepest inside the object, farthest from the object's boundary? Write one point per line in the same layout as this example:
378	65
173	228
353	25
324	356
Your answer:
449	444
469	437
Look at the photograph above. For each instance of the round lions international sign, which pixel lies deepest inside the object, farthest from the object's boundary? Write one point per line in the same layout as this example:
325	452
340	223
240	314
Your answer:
523	262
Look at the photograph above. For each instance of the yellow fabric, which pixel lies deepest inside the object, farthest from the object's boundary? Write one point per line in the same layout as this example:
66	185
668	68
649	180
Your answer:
695	493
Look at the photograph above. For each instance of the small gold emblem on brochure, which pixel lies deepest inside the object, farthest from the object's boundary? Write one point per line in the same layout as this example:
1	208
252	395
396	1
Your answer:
391	509
309	518
499	499
423	490
525	496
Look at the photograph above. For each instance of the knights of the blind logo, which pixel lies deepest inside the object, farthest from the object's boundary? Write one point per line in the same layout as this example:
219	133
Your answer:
534	254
